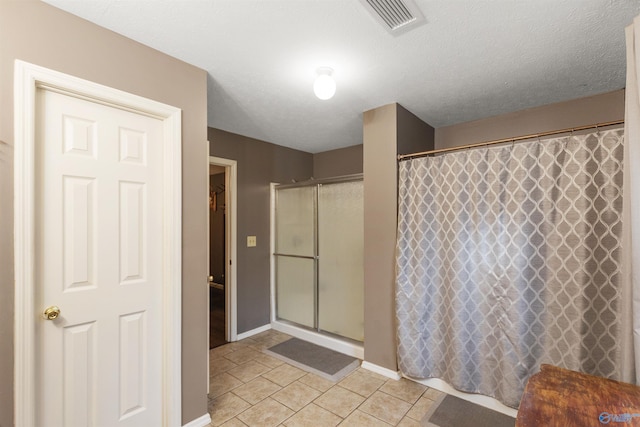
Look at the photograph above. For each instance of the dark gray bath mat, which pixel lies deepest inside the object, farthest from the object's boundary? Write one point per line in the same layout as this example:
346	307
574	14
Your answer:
451	411
321	361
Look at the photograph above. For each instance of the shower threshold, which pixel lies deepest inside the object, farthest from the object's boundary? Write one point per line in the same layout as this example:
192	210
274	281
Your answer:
333	342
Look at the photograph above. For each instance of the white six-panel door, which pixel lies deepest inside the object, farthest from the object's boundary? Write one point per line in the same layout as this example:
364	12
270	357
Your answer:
98	241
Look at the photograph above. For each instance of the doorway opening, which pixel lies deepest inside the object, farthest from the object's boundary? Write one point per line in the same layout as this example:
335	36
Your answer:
217	256
222	251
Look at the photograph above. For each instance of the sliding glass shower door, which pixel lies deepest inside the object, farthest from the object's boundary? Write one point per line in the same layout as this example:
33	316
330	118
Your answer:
319	257
296	255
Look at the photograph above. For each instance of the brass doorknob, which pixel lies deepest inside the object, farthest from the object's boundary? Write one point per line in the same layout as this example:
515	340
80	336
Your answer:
51	313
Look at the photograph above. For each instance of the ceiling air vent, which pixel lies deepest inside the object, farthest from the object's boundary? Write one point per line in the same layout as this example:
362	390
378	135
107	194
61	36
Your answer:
397	16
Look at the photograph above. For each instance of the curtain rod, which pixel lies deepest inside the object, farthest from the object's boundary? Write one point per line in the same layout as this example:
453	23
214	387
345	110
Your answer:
402	157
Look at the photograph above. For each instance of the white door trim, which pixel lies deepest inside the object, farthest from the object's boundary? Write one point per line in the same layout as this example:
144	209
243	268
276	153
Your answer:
231	228
27	79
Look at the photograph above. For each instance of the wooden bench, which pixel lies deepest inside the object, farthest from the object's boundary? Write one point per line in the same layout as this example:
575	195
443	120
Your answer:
563	398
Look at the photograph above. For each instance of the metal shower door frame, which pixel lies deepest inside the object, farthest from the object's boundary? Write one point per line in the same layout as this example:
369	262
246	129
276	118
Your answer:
317	184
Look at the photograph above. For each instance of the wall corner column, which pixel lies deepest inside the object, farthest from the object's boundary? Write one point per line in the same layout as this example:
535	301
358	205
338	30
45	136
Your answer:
387	131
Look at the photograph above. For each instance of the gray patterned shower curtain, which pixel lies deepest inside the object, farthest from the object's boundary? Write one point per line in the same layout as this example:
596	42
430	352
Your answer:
509	257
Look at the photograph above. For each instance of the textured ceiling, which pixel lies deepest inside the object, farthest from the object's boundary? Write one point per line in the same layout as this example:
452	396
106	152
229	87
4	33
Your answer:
471	59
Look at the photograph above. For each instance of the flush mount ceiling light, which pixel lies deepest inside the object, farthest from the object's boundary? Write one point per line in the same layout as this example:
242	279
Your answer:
324	86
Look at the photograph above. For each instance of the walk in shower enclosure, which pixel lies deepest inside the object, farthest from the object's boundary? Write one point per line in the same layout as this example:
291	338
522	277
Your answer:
319	235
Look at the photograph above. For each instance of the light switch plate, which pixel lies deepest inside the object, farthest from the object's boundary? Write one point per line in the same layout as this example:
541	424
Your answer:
251	241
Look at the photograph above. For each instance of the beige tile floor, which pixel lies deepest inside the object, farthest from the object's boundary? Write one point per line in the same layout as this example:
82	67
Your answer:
250	388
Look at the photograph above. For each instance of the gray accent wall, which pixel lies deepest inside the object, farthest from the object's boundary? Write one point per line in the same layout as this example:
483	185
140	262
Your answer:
343	161
43	35
259	164
413	134
605	107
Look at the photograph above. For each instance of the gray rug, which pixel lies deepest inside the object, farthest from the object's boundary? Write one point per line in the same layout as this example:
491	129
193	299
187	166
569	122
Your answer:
321	361
451	411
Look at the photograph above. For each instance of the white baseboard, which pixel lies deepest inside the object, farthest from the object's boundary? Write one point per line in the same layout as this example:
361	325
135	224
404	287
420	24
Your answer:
478	399
335	344
394	375
253	332
438	384
203	421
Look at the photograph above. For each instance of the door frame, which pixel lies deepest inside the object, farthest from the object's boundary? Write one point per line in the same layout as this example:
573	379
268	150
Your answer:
230	230
28	78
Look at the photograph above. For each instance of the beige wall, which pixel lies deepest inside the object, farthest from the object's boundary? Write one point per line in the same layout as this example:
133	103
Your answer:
343	161
387	131
38	33
563	115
